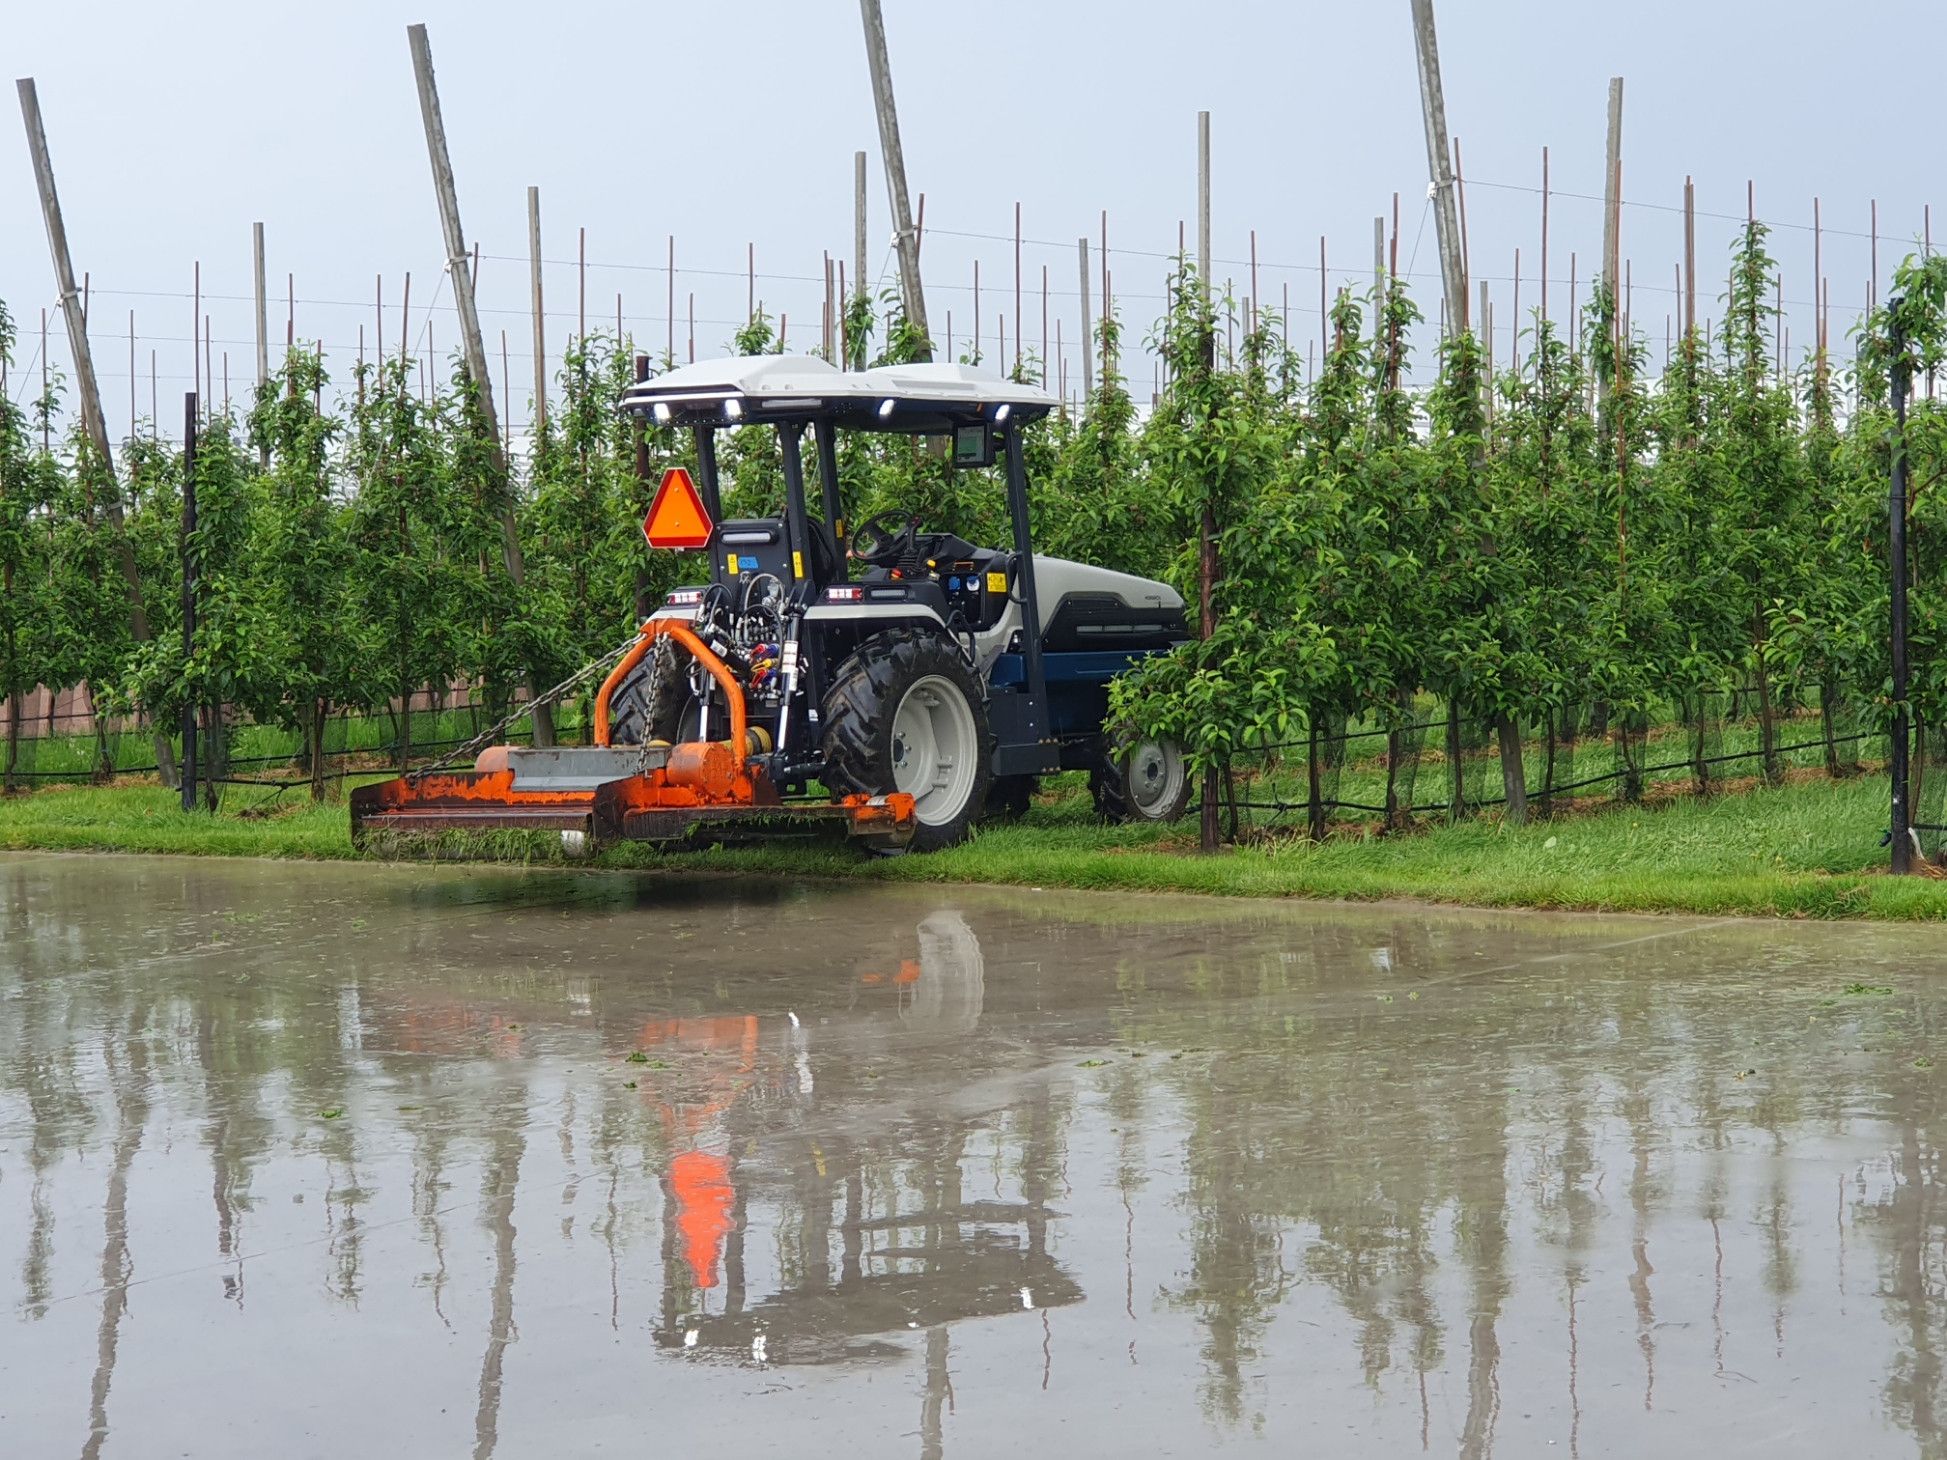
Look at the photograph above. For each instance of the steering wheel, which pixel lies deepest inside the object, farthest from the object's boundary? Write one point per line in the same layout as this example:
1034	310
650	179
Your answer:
887	540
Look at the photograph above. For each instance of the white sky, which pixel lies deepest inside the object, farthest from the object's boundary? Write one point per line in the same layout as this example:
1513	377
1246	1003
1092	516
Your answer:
174	126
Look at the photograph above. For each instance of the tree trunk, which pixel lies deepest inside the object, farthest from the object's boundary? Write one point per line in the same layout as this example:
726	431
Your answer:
1398	816
1767	725
1548	771
1700	744
13	740
1828	732
1315	799
104	760
1456	777
314	749
1632	761
1514	771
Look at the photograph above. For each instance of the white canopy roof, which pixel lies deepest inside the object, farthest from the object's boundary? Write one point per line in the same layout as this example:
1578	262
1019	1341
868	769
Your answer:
777	379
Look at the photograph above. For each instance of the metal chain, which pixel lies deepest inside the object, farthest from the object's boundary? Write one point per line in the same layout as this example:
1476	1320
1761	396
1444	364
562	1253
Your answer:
494	731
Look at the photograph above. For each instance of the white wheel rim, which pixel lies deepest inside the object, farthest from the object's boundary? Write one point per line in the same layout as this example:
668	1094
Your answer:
1154	776
933	749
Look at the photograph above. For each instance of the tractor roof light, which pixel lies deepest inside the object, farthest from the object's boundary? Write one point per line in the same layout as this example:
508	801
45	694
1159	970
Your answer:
733	410
885	408
662	412
1001	414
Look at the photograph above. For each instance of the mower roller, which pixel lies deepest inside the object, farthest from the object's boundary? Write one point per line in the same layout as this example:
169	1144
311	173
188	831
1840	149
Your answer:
897	683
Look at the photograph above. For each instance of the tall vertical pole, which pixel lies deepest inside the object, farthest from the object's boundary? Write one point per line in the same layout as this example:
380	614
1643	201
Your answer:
1689	256
263	304
1433	105
92	419
1207	524
1088	328
263	322
1544	235
1612	212
540	421
1203	204
188	536
858	251
459	268
1378	273
905	239
1896	544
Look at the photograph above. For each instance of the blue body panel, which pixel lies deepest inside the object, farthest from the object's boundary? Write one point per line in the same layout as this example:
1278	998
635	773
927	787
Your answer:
1078	684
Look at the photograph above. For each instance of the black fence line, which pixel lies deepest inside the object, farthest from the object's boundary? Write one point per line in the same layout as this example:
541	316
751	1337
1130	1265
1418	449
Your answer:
1427	808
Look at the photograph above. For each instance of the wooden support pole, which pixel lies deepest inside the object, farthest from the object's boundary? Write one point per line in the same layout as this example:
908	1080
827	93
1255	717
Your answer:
906	238
1020	333
1088	328
540	419
460	270
93	421
1203	204
1544	235
263	303
1612	214
1378	272
859	285
1689	256
1433	107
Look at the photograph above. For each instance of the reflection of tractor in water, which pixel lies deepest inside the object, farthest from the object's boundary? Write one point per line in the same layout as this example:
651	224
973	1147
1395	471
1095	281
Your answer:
863	1269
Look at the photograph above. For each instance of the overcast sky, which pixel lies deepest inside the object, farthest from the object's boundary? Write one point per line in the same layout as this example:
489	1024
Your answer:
174	126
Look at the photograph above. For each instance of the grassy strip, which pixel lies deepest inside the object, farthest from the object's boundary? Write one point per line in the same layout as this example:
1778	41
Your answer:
1808	849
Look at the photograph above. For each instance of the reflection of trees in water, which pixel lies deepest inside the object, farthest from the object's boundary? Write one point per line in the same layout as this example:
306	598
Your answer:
499	1184
128	1079
1380	1153
1901	1208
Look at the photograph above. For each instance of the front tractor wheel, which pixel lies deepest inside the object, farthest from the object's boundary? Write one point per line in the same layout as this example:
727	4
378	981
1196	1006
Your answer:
905	714
1141	781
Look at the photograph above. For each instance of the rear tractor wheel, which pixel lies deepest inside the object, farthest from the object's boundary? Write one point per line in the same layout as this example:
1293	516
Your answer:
654	701
905	714
1140	781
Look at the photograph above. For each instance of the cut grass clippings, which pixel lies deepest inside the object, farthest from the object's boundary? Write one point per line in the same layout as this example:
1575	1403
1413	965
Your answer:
1810	848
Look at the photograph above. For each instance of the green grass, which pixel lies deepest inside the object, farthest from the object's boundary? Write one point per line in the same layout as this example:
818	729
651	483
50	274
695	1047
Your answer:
1808	849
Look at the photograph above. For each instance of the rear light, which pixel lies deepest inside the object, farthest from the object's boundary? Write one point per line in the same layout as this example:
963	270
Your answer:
844	595
683	597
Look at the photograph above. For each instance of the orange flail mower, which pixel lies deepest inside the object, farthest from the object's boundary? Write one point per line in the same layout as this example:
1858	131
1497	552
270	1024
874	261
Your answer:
653	792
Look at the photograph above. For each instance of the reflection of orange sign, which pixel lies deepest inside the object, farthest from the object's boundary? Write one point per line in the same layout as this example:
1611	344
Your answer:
704	1197
677	518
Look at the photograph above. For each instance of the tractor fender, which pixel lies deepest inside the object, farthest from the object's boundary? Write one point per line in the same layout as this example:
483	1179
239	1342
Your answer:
880	615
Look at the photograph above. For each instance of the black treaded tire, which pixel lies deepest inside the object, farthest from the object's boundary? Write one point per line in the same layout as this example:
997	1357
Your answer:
867	694
649	702
1117	802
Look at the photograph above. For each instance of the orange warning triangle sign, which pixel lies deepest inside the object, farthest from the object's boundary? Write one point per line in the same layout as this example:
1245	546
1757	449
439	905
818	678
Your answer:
676	518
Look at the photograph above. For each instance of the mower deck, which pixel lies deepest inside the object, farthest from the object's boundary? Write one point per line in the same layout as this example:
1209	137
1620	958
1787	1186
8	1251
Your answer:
610	794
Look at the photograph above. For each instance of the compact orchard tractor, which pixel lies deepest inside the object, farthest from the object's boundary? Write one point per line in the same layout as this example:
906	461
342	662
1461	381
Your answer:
897	681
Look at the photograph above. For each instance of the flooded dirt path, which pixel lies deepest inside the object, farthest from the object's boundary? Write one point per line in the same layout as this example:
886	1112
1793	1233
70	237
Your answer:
353	1160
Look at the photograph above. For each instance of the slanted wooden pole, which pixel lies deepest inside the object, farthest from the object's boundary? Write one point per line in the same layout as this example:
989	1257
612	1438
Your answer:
459	268
93	421
906	239
1433	107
